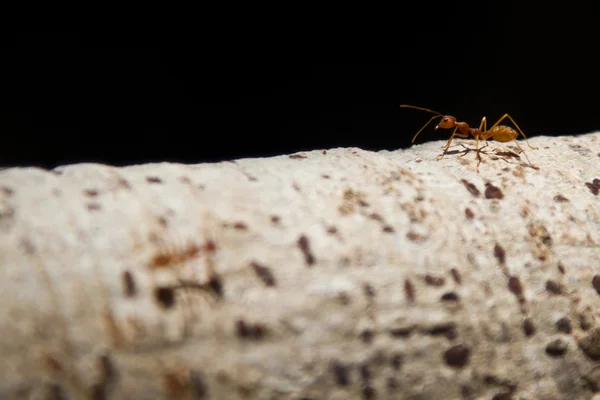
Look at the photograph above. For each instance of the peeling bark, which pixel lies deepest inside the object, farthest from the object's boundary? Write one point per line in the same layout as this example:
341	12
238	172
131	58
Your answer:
336	274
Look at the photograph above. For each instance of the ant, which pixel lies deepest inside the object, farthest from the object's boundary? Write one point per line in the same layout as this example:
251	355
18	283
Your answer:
500	133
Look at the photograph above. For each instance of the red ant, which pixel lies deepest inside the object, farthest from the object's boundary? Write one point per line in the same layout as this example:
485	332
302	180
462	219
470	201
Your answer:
500	133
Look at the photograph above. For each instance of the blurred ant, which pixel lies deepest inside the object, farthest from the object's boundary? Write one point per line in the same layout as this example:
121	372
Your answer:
500	133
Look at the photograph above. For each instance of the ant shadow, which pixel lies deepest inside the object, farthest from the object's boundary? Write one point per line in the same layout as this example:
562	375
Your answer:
510	157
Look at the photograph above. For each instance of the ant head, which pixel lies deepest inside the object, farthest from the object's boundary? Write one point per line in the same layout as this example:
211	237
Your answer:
447	121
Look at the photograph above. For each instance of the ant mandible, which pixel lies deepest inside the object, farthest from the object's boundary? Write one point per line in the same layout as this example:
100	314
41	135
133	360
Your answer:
500	133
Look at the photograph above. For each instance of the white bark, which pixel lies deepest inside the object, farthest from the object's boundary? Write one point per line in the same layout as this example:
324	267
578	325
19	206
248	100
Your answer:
335	274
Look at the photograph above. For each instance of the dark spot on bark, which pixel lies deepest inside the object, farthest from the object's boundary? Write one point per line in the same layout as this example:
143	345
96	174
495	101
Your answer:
165	296
93	206
528	327
415	237
56	172
297	156
364	372
596	283
304	245
153	179
55	391
198	387
376	217
216	285
457	356
367	336
324	152
397	361
434	280
564	325
402	332
447	329
129	286
594	186
363	203
325	176
275	219
369	290
470	187
456	275
493	192
392	384
586	319
240	226
590	344
469	213
368	392
185	179
500	254
409	290
449	296
263	273
556	348
503	396
332	230
91	192
466	392
343	298
341	373
163	221
561	268
250	331
554	287
124	183
559	198
514	285
388	229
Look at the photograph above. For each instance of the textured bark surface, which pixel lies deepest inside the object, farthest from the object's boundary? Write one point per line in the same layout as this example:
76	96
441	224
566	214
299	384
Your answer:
338	274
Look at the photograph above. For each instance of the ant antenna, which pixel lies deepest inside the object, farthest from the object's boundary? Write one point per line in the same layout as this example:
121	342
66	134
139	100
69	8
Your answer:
422	109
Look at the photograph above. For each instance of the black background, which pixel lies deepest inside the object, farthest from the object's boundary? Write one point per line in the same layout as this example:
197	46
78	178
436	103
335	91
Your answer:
251	89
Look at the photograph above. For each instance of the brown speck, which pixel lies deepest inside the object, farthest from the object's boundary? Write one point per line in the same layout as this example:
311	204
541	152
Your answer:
493	192
367	336
409	290
392	384
503	396
324	152
469	213
124	183
163	221
263	273
402	331
185	179
240	226
250	331
514	285
415	237
332	230
91	192
556	348
457	356
447	329
594	186
586	319
590	344
325	176
216	285
559	198
341	373
93	206
456	275
554	287
500	254
470	187
418	160
304	245
369	290
275	219
396	361
56	172
165	296
376	217
368	392
175	383
129	287
297	156
596	283
434	280
364	372
153	179
197	385
343	298
528	327
449	296
564	325
561	268
388	229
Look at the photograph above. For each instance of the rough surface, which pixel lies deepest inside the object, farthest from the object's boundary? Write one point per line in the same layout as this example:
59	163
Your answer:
337	274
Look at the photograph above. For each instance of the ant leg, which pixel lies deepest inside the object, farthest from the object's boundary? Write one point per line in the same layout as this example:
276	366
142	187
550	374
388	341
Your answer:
447	146
516	126
523	151
482	125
